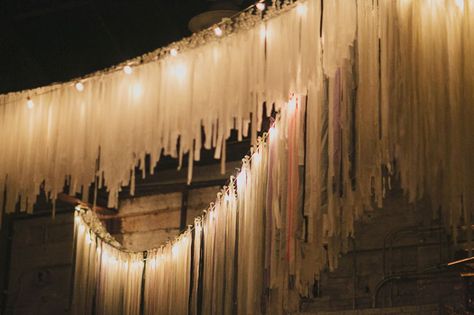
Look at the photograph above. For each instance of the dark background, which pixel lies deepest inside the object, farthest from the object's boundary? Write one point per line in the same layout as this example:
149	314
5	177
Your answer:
45	41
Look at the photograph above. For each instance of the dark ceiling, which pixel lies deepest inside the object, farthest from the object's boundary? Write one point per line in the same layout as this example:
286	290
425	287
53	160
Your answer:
45	41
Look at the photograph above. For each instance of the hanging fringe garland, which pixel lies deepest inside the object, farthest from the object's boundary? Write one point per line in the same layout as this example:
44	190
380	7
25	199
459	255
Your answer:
393	100
107	278
55	133
389	89
217	267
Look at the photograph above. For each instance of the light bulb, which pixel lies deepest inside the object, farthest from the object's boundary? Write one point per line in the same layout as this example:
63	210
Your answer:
30	103
79	86
127	69
218	31
260	6
301	8
173	52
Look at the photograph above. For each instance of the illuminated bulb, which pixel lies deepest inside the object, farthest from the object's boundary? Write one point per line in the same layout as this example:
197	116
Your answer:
127	69
218	31
79	86
173	52
260	6
301	9
30	103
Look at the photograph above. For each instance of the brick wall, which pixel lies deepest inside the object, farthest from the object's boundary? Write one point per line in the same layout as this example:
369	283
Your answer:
149	221
431	309
40	266
395	260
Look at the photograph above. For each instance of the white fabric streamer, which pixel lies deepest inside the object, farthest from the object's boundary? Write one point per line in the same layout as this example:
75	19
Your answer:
389	88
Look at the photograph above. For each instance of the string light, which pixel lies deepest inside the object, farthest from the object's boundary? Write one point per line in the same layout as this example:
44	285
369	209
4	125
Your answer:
218	31
79	86
260	5
127	69
173	52
301	9
30	103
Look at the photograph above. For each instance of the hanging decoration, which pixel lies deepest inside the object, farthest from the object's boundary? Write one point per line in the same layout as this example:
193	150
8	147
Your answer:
107	278
219	266
116	117
383	93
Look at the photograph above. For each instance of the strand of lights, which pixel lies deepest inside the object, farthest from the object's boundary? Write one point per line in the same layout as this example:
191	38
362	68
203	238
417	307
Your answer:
224	194
191	42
